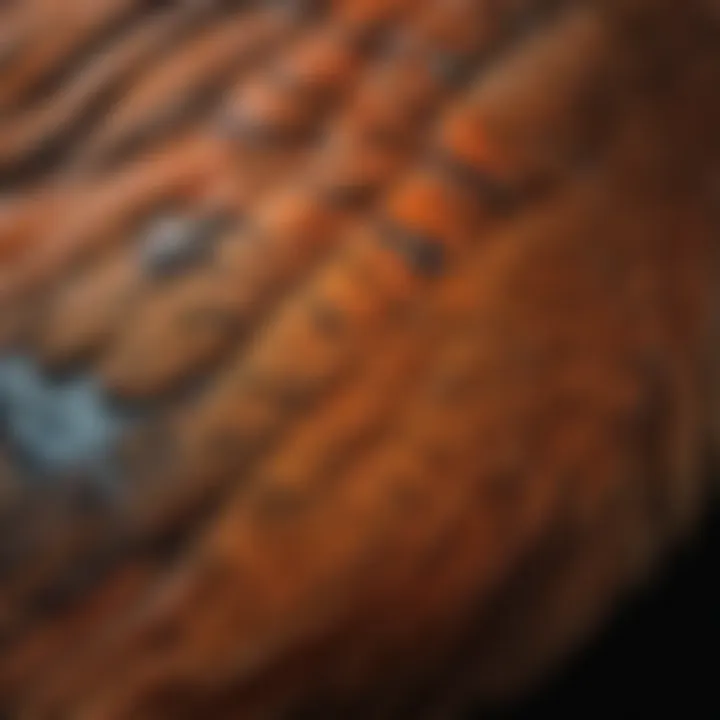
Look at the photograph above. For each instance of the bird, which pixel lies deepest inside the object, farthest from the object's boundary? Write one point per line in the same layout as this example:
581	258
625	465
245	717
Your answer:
358	358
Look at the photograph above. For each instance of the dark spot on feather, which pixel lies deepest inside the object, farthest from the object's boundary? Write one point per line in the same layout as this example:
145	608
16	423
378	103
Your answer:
496	194
451	69
348	195
425	255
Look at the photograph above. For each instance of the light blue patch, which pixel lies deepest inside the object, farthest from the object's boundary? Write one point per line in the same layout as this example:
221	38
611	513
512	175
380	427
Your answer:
57	427
174	244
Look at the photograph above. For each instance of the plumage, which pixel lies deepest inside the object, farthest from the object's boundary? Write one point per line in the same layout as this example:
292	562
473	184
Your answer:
357	357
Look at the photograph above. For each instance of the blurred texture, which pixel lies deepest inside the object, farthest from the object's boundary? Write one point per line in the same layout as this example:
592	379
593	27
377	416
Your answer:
358	358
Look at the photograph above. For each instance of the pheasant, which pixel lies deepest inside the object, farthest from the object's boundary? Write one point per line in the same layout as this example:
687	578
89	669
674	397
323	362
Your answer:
358	358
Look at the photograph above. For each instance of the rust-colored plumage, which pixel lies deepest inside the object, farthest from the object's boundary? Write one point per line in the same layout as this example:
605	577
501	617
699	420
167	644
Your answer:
358	356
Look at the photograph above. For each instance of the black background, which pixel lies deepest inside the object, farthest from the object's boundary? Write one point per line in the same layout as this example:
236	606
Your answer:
660	655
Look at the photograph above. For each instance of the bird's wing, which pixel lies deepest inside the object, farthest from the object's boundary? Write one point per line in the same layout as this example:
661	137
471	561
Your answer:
350	361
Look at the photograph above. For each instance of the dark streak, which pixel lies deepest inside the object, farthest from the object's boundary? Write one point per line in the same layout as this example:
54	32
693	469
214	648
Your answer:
425	255
493	192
